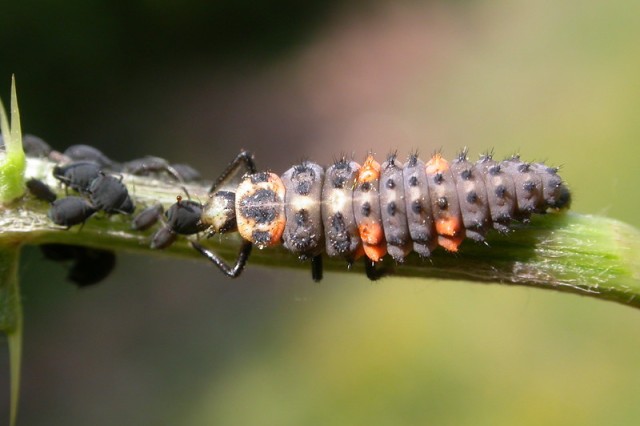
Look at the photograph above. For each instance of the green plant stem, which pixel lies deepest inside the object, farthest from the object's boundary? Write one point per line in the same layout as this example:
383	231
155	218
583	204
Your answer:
11	318
588	255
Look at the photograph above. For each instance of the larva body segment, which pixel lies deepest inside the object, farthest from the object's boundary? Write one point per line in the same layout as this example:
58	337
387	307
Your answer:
303	233
393	210
528	187
444	202
473	198
340	228
366	210
418	207
501	193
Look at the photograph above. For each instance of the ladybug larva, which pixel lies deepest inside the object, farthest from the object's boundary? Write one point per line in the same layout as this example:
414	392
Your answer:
370	211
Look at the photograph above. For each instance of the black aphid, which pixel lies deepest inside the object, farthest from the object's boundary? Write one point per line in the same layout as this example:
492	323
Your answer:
149	165
147	218
78	176
186	172
163	238
41	190
183	217
110	195
88	153
70	211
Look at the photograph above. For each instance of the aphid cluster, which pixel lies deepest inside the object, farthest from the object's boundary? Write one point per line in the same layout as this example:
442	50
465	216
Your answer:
346	210
89	173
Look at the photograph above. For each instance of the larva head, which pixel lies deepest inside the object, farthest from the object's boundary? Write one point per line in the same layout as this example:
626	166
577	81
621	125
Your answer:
219	214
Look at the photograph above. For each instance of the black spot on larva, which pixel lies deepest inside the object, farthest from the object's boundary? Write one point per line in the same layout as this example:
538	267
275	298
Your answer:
438	178
339	234
302	217
391	159
486	157
466	174
564	200
391	209
529	186
555	182
413	160
261	237
305	177
552	170
303	187
524	167
501	191
494	170
365	187
339	181
391	184
260	206
416	207
341	164
394	240
341	175
259	177
472	197
413	181
421	237
443	203
366	209
504	217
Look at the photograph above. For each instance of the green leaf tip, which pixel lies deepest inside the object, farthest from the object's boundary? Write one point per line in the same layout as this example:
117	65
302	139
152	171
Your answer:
12	160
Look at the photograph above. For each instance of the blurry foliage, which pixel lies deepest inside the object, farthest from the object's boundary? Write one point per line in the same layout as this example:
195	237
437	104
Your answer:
65	52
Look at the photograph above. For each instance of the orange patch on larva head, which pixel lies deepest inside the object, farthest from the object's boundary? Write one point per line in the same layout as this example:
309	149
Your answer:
375	253
448	226
437	164
369	171
450	243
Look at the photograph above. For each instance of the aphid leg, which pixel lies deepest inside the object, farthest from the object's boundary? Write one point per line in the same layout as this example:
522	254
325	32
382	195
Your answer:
316	268
243	159
373	273
230	271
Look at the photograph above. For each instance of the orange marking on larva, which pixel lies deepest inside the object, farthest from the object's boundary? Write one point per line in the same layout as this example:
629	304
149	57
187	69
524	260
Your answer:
375	253
450	243
276	230
371	233
373	241
448	226
369	171
437	164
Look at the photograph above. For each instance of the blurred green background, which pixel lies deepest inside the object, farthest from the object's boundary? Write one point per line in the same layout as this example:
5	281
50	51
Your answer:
173	342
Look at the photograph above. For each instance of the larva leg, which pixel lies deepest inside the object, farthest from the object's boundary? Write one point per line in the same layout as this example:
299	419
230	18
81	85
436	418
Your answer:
373	273
316	268
230	271
244	158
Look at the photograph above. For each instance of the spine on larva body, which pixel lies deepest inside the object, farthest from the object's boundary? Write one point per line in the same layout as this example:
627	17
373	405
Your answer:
351	211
